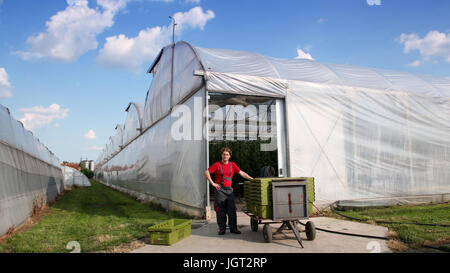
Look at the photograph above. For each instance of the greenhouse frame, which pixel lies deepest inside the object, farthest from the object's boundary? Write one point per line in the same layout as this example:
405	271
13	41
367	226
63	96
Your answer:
360	132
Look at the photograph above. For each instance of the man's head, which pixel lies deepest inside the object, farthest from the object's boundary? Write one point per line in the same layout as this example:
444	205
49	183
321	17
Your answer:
225	152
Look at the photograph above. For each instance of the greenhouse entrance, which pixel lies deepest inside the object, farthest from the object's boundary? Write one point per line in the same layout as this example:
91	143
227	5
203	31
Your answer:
253	127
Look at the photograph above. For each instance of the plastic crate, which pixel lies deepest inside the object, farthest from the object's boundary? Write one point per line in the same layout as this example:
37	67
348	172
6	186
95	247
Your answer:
170	232
261	199
249	206
265	212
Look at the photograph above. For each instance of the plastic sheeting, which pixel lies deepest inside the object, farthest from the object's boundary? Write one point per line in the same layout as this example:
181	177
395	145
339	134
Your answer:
30	174
363	143
163	95
361	132
253	64
133	123
244	84
167	169
74	177
158	101
118	137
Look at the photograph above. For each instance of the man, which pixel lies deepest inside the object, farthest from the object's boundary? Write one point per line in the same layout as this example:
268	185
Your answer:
224	199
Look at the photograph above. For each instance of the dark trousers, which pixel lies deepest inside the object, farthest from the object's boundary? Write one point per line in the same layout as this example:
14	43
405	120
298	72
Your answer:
225	206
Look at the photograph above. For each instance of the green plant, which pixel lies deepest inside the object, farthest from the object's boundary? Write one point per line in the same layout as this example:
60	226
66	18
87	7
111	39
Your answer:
87	172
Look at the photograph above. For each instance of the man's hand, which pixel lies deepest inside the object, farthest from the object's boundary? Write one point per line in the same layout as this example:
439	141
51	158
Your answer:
245	175
208	176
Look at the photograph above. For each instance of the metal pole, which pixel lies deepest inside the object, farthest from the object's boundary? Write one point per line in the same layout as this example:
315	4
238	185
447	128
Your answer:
173	29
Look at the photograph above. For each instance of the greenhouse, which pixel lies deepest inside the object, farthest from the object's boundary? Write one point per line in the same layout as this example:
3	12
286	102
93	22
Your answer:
30	174
74	178
361	132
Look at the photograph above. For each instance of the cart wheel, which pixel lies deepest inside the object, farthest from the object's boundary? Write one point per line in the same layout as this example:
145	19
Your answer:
267	232
254	224
310	230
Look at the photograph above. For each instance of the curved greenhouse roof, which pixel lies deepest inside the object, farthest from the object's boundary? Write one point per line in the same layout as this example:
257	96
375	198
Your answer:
255	64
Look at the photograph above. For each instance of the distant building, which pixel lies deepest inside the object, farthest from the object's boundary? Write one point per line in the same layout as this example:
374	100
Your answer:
88	164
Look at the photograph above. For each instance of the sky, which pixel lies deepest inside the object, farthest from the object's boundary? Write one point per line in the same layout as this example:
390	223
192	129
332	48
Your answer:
69	68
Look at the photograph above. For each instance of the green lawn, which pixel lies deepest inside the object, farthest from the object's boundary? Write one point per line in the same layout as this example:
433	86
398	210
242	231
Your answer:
98	218
412	235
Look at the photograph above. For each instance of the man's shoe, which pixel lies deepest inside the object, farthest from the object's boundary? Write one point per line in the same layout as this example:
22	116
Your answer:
235	231
221	232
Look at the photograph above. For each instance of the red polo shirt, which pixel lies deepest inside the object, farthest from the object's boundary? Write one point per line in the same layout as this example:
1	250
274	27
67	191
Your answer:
214	169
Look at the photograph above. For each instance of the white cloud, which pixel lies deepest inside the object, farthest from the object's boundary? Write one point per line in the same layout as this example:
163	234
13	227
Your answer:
193	18
374	2
96	148
5	85
303	55
416	63
90	134
38	116
130	53
434	45
72	32
192	1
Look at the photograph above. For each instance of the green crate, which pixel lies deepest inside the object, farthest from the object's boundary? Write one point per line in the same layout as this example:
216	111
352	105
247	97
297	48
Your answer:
262	180
311	193
265	212
260	191
170	232
261	201
248	205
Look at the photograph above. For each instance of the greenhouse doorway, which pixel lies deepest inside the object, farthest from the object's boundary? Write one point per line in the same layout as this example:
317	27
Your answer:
253	127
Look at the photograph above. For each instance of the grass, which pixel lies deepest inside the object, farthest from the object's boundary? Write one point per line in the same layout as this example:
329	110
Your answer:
413	236
99	218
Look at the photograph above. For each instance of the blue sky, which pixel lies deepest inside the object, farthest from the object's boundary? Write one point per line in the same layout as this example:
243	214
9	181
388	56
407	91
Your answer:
69	68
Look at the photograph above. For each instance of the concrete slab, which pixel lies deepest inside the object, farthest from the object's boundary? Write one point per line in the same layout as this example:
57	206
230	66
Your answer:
394	201
206	240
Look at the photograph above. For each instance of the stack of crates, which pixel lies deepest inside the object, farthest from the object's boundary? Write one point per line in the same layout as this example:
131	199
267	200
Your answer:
258	195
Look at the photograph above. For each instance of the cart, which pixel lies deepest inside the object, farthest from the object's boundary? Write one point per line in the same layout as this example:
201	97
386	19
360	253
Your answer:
290	205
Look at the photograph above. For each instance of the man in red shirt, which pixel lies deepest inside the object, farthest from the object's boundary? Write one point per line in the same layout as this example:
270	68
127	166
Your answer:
224	199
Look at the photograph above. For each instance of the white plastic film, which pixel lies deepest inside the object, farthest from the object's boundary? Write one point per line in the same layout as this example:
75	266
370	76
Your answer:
245	85
73	177
133	123
161	167
30	175
242	64
160	102
118	137
363	143
185	63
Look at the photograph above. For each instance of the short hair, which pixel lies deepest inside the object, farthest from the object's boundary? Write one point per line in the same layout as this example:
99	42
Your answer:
225	149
